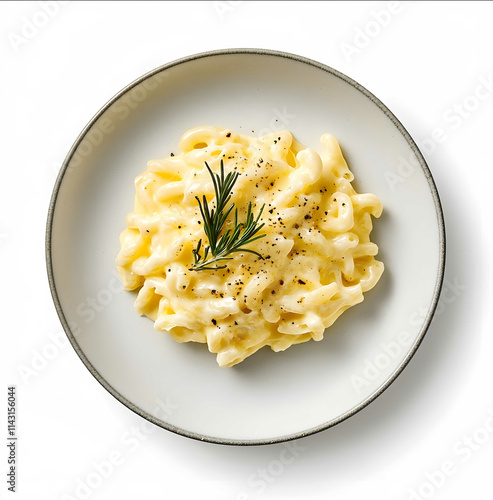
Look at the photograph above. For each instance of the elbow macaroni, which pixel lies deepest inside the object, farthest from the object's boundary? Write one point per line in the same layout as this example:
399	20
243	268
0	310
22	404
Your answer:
318	257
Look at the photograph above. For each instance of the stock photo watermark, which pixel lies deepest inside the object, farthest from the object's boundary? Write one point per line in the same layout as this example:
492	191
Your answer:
404	169
41	357
12	438
373	367
453	118
106	124
223	9
458	113
280	120
371	29
30	27
87	311
263	477
93	305
463	451
130	441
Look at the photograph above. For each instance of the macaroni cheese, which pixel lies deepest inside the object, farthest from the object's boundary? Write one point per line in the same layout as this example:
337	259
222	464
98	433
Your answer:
317	255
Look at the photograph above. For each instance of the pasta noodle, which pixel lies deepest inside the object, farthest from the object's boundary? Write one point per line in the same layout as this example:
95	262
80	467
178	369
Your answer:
317	255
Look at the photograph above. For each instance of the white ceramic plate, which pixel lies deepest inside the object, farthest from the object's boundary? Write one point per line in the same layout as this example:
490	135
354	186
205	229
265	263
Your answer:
270	397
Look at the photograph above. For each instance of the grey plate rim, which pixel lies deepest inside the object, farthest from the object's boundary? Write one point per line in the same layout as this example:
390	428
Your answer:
400	128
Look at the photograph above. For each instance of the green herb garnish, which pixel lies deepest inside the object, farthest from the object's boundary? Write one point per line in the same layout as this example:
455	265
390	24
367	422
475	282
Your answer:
233	240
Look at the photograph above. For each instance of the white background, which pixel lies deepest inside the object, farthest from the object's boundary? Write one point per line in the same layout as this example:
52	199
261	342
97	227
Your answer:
430	434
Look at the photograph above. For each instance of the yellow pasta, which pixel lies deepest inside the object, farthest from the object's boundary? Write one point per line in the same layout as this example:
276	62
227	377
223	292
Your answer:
317	255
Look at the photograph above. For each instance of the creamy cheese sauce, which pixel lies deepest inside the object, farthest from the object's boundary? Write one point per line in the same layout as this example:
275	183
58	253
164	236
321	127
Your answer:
318	257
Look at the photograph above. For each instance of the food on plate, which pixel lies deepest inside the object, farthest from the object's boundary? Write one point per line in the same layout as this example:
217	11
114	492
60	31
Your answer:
243	242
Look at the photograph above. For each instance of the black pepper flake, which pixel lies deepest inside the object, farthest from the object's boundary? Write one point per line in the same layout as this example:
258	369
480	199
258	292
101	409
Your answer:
308	216
147	230
301	282
172	154
281	282
273	292
214	322
228	134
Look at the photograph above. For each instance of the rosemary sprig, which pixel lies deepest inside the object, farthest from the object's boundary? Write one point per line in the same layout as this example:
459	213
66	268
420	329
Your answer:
233	240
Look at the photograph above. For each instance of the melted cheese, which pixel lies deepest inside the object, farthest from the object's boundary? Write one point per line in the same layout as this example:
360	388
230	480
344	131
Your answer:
318	257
